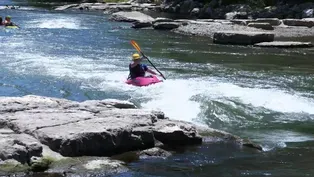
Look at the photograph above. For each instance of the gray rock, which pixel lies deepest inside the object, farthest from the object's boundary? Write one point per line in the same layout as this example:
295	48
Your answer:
154	153
298	22
265	26
166	25
20	147
242	38
96	128
131	17
211	135
271	21
285	44
176	133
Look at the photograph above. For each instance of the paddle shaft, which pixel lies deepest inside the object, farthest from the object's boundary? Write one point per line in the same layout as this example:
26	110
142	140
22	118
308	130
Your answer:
153	65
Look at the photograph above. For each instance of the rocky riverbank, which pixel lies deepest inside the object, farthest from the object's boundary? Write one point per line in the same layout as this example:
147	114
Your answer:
62	136
235	31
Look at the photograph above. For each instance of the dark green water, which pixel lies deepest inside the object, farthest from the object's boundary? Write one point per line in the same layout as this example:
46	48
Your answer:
266	95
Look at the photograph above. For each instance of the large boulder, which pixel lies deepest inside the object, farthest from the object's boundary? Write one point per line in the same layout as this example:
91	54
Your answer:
285	44
131	17
298	22
242	38
94	128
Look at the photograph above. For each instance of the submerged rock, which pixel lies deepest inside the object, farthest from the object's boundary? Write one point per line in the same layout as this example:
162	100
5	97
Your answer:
242	38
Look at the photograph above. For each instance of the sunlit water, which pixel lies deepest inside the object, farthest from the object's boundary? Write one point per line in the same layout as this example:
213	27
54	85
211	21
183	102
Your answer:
266	95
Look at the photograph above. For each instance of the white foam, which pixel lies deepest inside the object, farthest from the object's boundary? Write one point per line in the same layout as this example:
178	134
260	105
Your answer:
175	97
55	23
273	99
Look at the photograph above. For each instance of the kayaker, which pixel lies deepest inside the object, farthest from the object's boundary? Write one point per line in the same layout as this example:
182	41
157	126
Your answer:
137	69
7	21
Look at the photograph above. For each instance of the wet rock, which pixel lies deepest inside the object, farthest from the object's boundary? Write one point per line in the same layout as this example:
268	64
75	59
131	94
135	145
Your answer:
88	166
131	17
40	164
242	38
271	21
13	167
285	44
298	22
166	25
154	153
265	26
141	24
176	133
212	135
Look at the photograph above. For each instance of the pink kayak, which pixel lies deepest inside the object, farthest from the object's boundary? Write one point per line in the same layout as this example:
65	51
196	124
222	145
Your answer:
143	81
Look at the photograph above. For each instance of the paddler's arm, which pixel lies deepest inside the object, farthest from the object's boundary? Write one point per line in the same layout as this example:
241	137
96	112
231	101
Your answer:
151	71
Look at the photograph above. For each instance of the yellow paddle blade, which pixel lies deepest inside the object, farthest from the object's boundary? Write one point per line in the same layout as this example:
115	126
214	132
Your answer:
136	46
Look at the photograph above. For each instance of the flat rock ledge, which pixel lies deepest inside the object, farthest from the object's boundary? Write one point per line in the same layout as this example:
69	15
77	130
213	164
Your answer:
285	44
35	126
242	38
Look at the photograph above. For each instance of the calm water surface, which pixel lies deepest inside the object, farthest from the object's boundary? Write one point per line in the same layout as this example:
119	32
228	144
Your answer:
266	95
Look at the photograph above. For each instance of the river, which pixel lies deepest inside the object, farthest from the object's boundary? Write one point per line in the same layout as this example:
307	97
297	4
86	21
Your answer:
266	95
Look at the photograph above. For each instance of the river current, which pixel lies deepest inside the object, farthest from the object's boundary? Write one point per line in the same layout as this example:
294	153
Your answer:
266	95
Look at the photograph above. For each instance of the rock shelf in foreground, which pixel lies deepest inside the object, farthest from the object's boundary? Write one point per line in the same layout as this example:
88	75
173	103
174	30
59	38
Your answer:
31	124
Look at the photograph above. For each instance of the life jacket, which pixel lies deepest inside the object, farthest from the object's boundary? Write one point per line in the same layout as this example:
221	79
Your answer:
137	71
